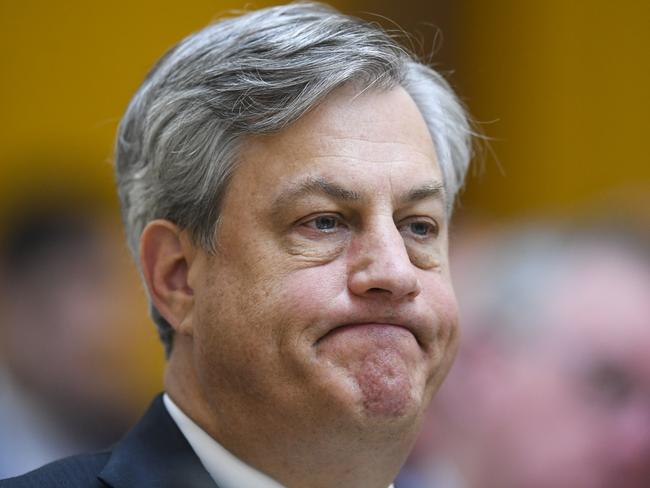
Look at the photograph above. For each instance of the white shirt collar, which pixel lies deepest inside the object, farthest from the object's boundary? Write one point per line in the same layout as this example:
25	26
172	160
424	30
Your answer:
225	469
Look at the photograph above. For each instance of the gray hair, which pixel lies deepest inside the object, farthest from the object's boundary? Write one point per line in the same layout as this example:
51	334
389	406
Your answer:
178	141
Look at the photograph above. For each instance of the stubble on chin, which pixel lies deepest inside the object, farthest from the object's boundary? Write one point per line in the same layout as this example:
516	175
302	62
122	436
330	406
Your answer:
385	384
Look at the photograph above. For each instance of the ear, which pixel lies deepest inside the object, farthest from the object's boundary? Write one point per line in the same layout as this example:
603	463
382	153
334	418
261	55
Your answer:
166	255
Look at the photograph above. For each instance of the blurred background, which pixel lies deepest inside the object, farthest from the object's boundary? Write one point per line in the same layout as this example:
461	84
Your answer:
559	198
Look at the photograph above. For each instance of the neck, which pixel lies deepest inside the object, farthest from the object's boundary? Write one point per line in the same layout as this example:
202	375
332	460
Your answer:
295	452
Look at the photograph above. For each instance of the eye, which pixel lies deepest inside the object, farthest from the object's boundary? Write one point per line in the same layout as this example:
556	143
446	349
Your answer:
326	223
421	228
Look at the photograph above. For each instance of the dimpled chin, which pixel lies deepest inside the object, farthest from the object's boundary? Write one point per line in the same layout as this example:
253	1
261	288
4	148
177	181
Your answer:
384	382
380	360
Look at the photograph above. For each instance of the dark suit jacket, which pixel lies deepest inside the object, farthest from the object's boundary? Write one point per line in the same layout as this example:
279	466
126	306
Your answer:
153	454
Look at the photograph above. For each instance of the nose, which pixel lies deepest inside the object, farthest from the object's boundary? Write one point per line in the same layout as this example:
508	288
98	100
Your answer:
379	265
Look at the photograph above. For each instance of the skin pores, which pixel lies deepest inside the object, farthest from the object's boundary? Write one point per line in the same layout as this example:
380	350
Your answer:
327	309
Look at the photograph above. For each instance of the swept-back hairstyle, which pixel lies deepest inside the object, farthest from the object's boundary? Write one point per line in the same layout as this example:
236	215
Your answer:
178	141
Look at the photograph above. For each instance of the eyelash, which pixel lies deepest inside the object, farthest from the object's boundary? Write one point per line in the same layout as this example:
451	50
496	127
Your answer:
312	220
433	228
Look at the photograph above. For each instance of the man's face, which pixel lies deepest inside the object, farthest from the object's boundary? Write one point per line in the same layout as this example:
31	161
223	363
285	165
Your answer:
328	302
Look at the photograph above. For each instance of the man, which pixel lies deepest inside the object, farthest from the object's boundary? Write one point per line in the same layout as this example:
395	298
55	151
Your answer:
286	179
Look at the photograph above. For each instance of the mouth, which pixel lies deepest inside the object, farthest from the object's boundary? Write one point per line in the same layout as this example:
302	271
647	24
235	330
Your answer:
369	329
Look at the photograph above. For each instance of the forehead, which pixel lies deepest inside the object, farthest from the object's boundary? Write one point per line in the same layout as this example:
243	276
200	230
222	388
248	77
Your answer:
374	137
601	305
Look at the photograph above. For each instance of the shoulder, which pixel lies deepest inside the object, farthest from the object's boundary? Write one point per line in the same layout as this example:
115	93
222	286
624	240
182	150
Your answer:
76	471
153	454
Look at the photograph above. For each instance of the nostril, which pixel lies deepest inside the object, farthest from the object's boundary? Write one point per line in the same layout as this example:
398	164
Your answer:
377	290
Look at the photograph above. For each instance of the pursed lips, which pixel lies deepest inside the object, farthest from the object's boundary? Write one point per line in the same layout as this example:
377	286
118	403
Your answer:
377	324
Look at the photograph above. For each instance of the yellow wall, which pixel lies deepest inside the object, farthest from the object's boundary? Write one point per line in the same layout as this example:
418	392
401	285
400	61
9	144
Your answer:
567	84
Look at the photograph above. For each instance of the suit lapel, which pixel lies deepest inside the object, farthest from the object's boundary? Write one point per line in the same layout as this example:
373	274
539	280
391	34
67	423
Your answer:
155	454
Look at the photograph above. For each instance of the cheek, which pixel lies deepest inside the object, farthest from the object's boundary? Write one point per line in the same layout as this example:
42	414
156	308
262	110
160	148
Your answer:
439	296
262	312
312	290
227	304
235	337
440	300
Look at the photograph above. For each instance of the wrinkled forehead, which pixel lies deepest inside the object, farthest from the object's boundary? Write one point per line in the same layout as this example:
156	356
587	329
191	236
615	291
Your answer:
349	132
376	115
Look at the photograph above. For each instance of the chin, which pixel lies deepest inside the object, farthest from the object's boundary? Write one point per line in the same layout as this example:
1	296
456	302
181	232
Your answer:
380	387
392	401
387	396
391	418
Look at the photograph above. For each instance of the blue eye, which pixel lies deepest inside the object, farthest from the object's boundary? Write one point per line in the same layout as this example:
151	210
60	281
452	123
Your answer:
325	222
420	228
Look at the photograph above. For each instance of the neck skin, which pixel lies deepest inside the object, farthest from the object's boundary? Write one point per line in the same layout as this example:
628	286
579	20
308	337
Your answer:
327	456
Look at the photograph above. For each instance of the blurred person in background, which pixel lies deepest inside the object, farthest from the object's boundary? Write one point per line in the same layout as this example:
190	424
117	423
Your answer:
551	387
62	390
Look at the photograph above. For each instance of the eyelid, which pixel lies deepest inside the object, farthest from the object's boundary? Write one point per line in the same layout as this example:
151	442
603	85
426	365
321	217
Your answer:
315	215
304	223
435	226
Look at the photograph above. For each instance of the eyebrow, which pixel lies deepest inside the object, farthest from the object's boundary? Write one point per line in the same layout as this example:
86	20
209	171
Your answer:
314	185
320	185
435	189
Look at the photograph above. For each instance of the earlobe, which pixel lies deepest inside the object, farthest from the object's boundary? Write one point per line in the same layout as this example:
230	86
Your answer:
165	257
